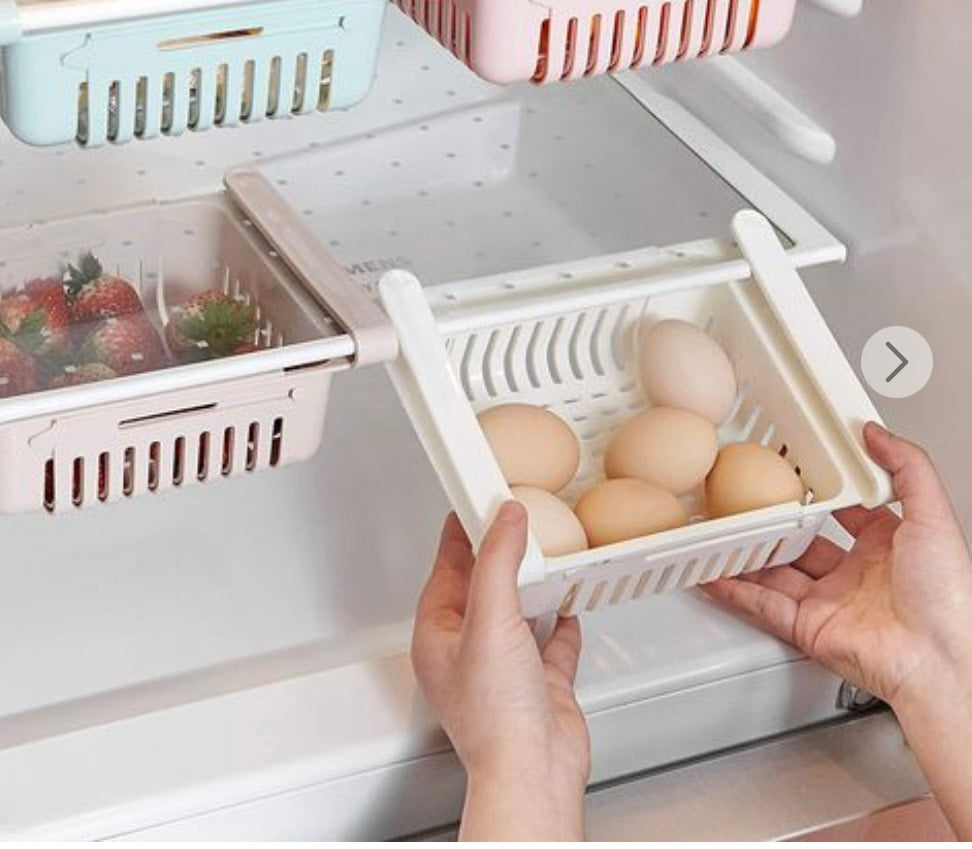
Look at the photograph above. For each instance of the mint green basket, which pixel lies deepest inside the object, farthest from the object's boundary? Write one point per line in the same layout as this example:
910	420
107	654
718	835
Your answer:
132	73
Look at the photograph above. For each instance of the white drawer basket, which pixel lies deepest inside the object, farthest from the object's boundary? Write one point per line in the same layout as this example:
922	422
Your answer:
564	339
78	447
96	71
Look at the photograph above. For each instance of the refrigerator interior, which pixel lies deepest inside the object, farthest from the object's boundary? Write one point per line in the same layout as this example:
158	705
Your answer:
185	653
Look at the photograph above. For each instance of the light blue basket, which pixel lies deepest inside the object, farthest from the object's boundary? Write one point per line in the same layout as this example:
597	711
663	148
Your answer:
139	78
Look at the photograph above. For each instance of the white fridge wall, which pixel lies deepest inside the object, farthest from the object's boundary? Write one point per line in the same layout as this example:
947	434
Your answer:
243	643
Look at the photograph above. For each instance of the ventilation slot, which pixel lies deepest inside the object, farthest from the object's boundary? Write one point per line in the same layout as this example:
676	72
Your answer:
228	442
710	13
50	481
154	466
753	23
252	446
77	482
641	38
730	25
179	461
327	74
276	442
141	106
543	52
300	84
686	36
114	95
202	460
104	467
128	472
596	596
168	102
273	89
570	54
666	13
593	49
567	605
222	84
617	42
249	81
84	114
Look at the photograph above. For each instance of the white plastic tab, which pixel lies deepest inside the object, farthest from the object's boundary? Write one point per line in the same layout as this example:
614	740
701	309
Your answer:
444	420
776	115
807	330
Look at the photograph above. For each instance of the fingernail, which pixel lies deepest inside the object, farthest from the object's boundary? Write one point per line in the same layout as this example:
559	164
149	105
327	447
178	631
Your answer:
880	428
511	512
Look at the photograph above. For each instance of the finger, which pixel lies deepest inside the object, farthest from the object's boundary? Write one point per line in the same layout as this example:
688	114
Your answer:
562	651
447	587
854	519
772	610
493	594
917	484
821	558
784	579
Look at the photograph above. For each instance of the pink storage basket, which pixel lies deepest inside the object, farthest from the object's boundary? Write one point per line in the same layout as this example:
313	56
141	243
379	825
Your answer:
506	41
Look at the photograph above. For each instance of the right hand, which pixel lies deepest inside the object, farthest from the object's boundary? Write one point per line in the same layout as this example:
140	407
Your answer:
891	615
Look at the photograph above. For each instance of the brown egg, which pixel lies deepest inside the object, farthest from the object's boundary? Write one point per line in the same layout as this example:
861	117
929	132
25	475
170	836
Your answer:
682	366
532	446
746	477
672	448
557	530
625	508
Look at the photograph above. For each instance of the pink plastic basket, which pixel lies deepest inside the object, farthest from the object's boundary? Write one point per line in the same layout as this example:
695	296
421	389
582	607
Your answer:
507	41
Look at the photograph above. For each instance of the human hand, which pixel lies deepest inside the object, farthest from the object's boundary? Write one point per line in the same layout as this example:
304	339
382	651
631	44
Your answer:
893	610
508	708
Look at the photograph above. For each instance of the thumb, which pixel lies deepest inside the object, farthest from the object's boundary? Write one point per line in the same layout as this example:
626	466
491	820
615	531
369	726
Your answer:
916	482
493	594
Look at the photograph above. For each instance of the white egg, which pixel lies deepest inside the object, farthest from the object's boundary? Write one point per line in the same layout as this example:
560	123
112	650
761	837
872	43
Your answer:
557	530
682	366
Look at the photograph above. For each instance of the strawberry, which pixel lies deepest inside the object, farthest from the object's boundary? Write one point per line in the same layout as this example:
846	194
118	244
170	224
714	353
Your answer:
37	317
18	373
127	345
95	295
211	325
78	375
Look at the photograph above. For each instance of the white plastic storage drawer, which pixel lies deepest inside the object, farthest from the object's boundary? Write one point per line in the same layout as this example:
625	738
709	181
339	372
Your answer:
516	40
131	400
563	338
112	72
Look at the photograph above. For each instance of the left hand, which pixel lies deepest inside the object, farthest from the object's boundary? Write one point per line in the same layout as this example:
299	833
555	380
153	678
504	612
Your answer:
508	708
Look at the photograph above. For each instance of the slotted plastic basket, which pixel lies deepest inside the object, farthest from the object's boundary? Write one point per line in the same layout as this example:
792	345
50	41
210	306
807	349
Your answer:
77	447
118	70
506	41
564	338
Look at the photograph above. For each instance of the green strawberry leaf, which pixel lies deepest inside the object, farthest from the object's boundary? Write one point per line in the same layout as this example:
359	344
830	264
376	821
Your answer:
86	271
223	326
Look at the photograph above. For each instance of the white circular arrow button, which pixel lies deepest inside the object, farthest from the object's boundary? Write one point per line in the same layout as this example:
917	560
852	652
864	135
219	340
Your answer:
897	362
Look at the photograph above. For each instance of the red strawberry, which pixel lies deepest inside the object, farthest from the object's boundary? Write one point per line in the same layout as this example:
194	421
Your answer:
38	317
95	295
82	374
211	325
127	345
18	373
